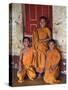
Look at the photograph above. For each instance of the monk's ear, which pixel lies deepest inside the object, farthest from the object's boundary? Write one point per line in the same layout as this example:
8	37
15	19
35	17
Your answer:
55	44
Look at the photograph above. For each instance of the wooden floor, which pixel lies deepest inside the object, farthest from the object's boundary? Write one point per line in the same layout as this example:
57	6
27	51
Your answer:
28	82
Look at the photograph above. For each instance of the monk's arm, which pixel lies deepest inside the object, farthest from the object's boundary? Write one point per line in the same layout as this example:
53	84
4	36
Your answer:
57	60
20	60
47	39
47	63
35	40
49	34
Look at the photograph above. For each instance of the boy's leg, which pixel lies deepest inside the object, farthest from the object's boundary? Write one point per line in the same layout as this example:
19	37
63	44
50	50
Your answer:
21	76
50	78
31	73
39	73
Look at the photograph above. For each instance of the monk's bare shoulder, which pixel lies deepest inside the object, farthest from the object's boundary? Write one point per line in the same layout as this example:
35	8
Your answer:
22	51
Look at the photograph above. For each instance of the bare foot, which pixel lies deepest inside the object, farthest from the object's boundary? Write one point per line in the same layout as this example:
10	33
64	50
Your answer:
58	82
31	78
20	81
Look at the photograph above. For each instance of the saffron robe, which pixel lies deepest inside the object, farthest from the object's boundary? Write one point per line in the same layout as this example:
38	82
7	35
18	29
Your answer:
27	66
52	66
40	45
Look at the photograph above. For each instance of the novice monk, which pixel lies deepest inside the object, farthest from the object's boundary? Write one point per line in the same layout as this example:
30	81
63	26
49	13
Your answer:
52	64
40	39
25	66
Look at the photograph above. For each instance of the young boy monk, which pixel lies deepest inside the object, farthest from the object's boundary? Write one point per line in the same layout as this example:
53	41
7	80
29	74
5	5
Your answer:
52	64
40	39
25	63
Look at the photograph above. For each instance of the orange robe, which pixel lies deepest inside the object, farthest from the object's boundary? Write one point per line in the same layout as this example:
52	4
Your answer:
27	58
40	47
27	66
52	66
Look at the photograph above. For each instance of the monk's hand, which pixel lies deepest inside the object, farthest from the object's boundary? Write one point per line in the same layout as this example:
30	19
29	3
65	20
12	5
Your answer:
54	66
47	39
50	70
34	50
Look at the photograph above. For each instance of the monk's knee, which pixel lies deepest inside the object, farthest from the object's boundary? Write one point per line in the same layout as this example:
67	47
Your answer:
31	74
19	74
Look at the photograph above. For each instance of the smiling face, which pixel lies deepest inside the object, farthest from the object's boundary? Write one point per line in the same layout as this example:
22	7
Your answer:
51	45
26	42
42	23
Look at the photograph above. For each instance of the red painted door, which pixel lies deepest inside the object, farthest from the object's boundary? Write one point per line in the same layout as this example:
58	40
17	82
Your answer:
32	14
